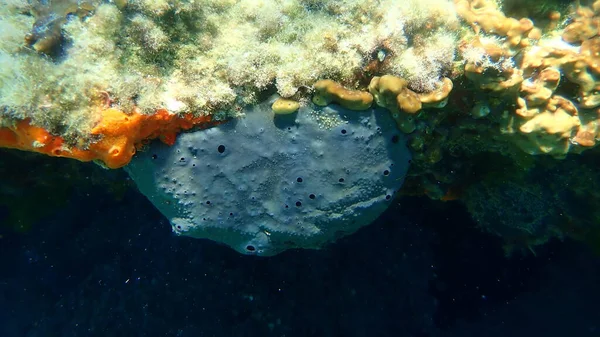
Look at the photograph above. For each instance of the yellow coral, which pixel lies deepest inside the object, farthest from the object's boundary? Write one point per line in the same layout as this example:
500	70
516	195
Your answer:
543	121
439	95
485	15
392	93
284	106
328	91
387	91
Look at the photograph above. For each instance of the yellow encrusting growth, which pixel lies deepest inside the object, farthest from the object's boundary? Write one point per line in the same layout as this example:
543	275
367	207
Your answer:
328	91
392	93
553	114
284	106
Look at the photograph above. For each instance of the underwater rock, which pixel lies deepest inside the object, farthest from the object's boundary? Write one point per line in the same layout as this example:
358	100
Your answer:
46	35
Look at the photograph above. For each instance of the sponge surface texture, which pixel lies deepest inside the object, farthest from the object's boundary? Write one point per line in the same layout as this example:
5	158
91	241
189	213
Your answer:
263	184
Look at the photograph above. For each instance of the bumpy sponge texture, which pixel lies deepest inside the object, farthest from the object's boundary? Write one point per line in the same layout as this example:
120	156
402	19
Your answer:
263	185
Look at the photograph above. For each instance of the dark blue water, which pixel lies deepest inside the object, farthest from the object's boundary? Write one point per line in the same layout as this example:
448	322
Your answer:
99	260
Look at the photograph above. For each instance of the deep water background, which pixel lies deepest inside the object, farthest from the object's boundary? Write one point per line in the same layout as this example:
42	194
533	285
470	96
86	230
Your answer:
82	253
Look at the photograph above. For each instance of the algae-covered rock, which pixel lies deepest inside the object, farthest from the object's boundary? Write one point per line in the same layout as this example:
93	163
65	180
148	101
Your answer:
204	57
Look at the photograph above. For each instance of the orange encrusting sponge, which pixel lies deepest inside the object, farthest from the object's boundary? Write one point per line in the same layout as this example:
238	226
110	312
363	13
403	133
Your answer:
121	135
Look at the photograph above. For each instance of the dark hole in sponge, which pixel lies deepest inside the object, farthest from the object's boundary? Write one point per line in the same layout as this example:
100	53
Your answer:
312	196
221	148
250	248
386	173
299	179
298	203
341	180
344	131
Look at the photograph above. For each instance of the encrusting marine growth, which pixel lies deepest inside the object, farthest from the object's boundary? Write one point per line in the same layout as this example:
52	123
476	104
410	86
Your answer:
204	58
119	136
465	81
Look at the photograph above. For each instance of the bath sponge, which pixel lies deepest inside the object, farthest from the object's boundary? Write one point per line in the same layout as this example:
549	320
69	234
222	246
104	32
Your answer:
264	184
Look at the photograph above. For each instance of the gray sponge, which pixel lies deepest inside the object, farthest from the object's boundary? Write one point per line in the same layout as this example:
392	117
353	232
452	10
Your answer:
263	184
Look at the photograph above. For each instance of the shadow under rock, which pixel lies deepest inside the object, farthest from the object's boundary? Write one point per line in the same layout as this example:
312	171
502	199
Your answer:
106	267
101	266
